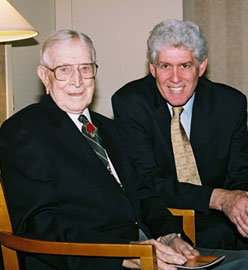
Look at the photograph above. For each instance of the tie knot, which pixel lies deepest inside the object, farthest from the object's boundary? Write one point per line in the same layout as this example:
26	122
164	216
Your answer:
83	119
88	126
177	111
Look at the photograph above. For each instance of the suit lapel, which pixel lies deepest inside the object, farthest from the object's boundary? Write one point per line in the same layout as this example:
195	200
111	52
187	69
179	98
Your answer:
107	133
202	124
67	132
163	119
72	139
113	146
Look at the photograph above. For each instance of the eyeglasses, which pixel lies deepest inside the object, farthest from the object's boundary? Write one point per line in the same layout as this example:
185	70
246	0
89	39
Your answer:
64	72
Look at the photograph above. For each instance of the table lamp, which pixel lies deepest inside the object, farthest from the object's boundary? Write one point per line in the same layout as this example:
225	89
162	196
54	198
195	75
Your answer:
13	26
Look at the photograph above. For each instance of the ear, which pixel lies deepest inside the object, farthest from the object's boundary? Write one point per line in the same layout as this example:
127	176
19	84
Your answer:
152	69
43	75
203	66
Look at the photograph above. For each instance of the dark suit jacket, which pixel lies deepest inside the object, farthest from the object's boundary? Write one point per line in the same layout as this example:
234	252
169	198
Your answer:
58	189
218	137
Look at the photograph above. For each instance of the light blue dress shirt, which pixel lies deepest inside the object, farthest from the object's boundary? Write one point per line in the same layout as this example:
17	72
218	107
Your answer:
186	114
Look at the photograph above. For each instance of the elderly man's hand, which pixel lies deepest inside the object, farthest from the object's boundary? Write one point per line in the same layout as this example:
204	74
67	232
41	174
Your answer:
179	245
234	203
165	254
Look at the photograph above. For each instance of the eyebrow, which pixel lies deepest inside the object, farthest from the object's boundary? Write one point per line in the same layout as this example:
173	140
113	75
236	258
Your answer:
168	63
74	64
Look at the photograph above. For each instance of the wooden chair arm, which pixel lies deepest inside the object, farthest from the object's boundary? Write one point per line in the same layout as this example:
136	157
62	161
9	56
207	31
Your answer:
146	253
188	221
182	212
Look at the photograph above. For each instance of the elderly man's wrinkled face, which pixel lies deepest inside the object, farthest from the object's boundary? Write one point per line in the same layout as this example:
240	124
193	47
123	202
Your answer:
76	93
177	72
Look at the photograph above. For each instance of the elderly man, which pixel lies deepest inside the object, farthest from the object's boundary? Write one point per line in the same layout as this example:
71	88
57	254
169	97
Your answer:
157	114
67	177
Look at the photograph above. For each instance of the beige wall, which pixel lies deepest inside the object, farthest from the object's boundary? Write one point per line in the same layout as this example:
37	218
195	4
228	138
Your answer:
119	29
25	54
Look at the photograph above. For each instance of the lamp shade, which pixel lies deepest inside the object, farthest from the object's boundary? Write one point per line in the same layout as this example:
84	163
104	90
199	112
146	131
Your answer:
13	26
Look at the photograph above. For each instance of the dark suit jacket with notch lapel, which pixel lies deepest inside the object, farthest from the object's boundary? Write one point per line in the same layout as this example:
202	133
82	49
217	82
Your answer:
218	137
58	189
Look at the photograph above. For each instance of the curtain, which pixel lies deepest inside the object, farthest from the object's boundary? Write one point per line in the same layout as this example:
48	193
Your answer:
225	23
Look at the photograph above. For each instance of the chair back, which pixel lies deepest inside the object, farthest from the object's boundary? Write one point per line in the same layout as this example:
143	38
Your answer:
188	216
10	258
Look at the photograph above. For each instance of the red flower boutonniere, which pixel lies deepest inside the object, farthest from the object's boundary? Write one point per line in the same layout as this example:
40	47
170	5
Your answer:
90	128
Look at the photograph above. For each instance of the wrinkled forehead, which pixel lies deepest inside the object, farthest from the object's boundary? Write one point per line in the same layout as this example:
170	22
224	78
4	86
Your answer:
68	52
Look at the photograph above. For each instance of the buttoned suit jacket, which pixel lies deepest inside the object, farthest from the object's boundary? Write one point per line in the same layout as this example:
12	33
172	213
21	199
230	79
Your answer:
58	189
218	137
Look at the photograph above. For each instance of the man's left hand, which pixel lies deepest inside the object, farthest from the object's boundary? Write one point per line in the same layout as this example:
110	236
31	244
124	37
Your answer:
179	245
234	203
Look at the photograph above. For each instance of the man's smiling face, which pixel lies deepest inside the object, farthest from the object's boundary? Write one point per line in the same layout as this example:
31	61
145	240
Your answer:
76	93
177	72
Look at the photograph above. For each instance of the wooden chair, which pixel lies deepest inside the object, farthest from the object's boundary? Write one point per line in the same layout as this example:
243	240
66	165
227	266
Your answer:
188	221
11	243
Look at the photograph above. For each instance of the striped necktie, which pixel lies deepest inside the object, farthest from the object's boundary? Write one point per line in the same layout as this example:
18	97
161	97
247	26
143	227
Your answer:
90	132
184	157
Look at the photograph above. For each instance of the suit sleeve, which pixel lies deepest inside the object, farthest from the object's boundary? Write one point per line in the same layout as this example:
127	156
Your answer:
133	125
34	208
237	177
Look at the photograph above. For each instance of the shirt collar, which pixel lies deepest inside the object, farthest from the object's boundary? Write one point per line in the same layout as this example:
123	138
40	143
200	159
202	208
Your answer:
74	117
187	108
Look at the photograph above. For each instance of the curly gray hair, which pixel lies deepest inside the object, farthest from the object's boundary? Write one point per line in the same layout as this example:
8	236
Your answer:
175	33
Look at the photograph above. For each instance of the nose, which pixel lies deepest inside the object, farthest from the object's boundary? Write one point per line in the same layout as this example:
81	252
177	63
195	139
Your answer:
76	78
175	76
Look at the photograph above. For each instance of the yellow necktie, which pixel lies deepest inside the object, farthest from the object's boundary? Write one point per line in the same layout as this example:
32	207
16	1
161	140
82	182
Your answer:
184	158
